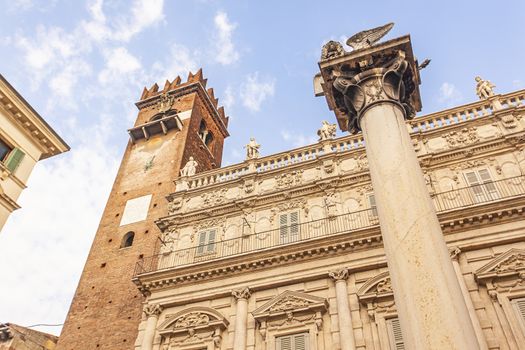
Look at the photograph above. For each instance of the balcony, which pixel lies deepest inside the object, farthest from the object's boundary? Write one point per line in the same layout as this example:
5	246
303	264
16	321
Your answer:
462	198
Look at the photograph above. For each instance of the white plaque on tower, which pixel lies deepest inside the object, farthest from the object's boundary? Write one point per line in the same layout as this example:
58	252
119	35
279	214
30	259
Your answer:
136	210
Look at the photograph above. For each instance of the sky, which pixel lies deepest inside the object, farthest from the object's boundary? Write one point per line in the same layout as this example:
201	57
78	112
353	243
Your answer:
83	64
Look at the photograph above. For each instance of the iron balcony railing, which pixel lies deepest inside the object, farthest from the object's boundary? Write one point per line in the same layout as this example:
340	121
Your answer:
443	201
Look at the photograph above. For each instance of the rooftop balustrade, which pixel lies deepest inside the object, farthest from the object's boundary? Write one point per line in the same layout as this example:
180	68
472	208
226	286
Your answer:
429	122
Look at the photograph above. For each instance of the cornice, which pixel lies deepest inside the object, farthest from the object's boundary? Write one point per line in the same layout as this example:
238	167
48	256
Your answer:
33	125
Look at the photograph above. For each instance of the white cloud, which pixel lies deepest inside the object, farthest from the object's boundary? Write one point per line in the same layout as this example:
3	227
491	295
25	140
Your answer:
226	52
144	13
119	62
228	101
254	91
298	140
180	61
449	94
64	201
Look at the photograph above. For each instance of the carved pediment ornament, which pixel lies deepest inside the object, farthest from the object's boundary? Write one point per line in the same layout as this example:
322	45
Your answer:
290	301
510	263
379	286
192	320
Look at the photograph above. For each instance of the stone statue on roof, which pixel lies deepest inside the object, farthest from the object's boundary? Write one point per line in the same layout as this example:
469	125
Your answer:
252	149
190	168
484	88
327	131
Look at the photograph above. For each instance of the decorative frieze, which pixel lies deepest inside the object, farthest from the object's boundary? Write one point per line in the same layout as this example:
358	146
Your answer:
463	137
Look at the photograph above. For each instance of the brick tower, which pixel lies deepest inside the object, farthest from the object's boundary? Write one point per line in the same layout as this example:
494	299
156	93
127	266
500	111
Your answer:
181	121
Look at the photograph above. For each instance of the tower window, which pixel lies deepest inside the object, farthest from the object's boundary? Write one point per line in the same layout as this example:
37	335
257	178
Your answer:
204	134
127	240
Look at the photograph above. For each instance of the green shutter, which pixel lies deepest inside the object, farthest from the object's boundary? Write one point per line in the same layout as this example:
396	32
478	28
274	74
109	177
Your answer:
14	159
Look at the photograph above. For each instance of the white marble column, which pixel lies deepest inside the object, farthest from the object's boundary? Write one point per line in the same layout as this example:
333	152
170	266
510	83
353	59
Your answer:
454	255
431	307
241	318
152	312
344	316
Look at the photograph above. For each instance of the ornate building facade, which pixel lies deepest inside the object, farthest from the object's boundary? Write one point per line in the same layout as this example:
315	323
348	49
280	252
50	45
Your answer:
288	251
25	139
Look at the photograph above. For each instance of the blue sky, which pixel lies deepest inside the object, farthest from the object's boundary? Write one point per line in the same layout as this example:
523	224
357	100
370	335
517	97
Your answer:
83	64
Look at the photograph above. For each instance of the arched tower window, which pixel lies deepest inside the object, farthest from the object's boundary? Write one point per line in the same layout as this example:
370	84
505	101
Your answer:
127	240
204	134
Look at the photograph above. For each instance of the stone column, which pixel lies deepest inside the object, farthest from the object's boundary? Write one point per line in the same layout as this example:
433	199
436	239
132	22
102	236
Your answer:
344	316
241	318
454	254
152	312
431	307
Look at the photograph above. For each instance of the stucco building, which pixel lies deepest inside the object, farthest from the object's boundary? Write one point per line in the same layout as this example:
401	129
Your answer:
292	250
25	139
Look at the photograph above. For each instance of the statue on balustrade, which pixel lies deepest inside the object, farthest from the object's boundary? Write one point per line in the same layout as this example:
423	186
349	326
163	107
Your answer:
252	149
327	131
190	168
484	88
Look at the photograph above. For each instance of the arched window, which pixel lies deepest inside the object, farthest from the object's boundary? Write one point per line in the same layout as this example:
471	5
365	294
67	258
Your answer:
157	117
204	134
127	240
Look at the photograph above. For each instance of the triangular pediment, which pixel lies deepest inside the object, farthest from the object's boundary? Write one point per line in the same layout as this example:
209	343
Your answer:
290	301
509	263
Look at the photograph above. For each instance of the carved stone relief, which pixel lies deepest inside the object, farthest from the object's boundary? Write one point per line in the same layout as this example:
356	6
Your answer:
463	137
294	204
290	179
214	198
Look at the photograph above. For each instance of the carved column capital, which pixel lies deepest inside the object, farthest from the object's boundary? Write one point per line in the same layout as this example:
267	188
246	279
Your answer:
454	253
374	84
152	310
339	275
243	293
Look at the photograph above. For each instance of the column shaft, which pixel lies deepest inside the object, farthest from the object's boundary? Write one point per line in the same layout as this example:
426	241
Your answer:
241	318
429	301
470	306
346	330
149	332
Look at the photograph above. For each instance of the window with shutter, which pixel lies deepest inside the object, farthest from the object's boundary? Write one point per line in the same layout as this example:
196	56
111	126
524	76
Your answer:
14	159
289	229
481	185
519	308
394	334
292	342
206	242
